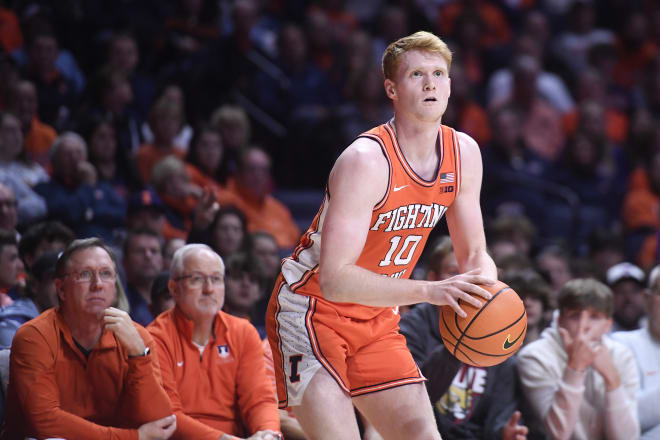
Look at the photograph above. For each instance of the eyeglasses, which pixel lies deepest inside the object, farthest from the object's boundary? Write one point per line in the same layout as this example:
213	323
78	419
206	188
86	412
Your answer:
197	280
87	275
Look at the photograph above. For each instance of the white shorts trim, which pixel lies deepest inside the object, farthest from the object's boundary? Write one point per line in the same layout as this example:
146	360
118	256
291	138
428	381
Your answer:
295	341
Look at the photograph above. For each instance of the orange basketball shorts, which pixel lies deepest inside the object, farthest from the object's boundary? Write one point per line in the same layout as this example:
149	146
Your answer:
307	333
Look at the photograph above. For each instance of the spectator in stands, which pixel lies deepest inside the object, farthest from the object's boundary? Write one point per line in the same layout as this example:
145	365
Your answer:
206	164
124	58
226	234
235	130
165	119
588	169
85	369
266	254
161	297
572	46
75	197
469	402
536	295
243	289
212	362
581	383
38	135
645	344
516	228
11	267
252	186
636	49
511	168
142	262
206	153
606	248
170	247
592	87
8	209
641	205
554	263
102	145
40	295
549	85
180	195
57	94
49	236
13	159
627	282
541	124
181	141
302	97
111	98
146	211
464	113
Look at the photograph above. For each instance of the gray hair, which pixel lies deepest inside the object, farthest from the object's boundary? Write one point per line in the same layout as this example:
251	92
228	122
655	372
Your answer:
164	169
179	257
62	138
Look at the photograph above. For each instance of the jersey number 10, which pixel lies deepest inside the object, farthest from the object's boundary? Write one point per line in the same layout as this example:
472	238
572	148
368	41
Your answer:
409	245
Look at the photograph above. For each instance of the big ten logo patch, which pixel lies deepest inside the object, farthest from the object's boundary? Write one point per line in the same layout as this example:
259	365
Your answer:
224	354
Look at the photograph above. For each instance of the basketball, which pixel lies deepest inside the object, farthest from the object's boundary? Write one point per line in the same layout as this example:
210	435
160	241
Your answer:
489	335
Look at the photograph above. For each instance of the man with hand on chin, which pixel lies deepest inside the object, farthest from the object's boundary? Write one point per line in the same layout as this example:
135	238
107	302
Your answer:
84	369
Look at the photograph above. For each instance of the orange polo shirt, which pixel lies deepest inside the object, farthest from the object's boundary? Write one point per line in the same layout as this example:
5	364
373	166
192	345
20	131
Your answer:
38	141
267	214
223	390
54	391
147	156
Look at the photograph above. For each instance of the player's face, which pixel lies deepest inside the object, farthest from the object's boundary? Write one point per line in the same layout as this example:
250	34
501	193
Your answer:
421	87
201	301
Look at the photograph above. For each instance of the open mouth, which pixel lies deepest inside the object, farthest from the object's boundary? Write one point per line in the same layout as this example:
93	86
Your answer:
431	99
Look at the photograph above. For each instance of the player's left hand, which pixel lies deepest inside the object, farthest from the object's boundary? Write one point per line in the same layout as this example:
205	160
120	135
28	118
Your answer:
512	430
118	322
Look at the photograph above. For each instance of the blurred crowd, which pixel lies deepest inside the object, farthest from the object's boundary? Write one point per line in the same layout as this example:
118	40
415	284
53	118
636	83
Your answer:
156	123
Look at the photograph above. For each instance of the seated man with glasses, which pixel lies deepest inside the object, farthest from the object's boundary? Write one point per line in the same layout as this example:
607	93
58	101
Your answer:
212	363
84	369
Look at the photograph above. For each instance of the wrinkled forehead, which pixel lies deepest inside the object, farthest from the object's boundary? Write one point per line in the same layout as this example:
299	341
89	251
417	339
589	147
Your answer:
203	260
88	257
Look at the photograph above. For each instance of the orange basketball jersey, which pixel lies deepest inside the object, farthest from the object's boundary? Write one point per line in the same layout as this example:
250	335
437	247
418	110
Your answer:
400	224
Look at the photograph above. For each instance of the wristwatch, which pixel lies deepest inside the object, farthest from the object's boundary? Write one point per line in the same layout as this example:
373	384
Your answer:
144	353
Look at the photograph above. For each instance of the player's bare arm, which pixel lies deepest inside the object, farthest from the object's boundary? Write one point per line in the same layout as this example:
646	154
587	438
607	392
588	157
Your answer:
357	183
464	215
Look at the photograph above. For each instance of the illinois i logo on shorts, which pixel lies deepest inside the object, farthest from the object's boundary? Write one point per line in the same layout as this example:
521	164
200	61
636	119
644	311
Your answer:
224	353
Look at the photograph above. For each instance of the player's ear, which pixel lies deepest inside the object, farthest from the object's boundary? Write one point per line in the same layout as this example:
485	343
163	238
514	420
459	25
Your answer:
390	89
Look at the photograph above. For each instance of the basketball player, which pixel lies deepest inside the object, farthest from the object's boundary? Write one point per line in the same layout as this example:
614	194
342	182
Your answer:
332	320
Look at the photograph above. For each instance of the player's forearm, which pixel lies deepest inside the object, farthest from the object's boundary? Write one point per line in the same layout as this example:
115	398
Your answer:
355	284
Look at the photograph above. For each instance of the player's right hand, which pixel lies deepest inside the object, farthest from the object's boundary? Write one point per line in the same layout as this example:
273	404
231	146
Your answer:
160	429
460	287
